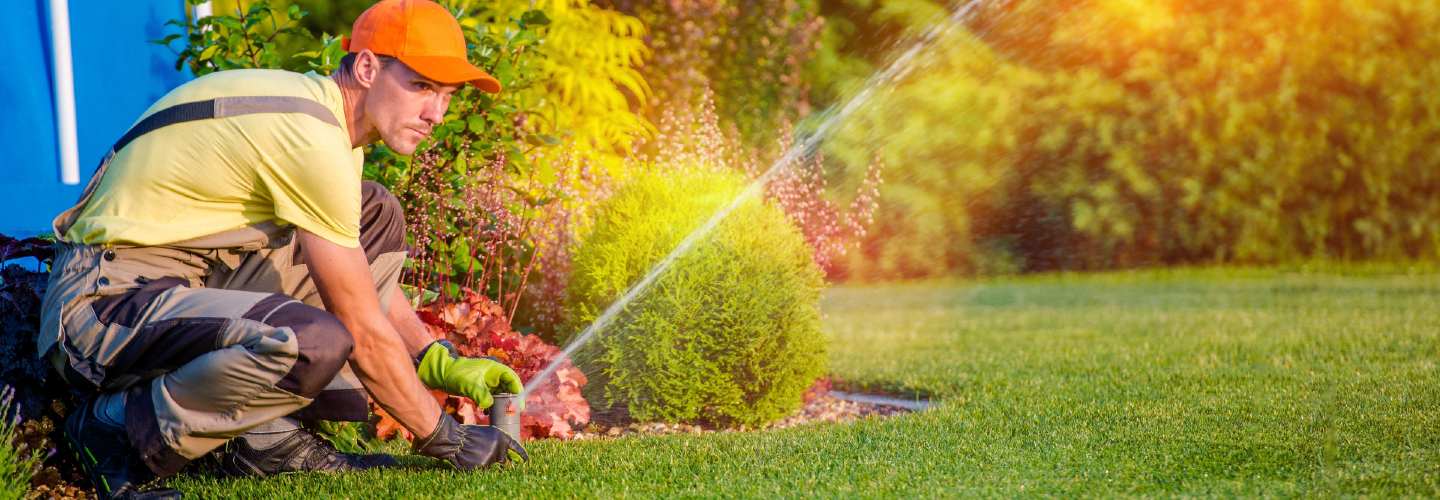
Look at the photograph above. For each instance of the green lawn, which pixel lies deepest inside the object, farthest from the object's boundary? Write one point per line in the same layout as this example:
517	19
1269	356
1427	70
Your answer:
1209	382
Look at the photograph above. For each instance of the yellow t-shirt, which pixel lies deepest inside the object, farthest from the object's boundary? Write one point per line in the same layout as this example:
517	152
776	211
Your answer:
204	177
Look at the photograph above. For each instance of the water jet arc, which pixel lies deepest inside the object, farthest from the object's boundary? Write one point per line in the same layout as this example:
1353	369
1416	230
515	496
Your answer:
801	149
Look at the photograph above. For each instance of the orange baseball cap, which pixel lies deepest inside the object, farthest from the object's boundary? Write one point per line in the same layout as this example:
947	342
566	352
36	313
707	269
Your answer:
421	34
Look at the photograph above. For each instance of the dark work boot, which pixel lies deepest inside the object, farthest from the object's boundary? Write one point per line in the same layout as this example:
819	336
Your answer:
293	449
104	452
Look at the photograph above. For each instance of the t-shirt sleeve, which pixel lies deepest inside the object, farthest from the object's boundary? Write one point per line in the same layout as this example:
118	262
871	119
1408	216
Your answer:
318	191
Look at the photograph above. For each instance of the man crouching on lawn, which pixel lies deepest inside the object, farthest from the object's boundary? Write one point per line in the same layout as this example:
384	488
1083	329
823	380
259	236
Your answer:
227	276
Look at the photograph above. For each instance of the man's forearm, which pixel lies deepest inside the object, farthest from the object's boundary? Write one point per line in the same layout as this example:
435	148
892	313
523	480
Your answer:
381	359
384	365
412	331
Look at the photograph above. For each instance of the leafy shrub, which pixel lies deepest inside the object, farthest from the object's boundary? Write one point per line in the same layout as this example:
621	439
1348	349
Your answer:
693	138
479	327
731	92
1192	131
800	189
746	57
730	334
252	37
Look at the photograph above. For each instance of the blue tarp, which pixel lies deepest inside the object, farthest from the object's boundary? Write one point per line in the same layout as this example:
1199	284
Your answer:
118	74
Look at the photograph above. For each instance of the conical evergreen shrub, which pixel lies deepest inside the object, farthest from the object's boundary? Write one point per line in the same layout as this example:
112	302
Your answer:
729	335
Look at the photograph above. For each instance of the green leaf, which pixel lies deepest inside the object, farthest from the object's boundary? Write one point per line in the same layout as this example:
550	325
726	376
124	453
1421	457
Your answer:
257	9
541	140
504	71
418	296
168	38
228	22
460	250
208	53
476	124
461	165
534	17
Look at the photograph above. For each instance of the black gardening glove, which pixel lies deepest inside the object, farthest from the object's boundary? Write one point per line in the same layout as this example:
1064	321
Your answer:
470	446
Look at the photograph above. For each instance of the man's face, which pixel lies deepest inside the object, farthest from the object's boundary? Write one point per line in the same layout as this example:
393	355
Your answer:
405	106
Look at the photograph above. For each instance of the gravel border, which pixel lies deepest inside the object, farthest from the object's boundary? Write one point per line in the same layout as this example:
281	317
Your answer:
821	406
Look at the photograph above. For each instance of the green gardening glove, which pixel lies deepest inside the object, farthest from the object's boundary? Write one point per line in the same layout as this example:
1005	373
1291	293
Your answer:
441	367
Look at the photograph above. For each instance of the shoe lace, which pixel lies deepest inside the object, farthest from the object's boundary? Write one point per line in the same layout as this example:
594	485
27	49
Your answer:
319	451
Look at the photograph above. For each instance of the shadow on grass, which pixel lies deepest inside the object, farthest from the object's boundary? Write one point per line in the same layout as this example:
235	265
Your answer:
890	390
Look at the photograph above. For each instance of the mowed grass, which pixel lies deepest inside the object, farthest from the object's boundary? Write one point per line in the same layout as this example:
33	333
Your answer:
1198	382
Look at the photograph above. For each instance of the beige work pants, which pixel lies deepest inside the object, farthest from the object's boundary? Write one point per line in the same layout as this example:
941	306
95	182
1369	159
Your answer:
210	341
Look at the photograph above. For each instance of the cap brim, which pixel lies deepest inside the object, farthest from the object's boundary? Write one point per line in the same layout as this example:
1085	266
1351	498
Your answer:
452	70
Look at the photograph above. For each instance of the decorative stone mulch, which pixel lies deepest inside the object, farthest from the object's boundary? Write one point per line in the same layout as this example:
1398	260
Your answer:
821	407
62	491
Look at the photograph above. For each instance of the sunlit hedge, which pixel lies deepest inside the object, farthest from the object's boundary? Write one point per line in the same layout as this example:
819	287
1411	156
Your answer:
1116	133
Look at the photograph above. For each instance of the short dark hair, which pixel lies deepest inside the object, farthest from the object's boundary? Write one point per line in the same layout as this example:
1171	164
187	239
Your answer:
347	63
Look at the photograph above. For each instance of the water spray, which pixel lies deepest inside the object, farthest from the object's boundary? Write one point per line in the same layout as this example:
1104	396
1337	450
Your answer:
802	149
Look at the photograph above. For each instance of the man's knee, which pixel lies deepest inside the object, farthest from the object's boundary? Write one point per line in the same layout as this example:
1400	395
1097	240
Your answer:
324	347
382	221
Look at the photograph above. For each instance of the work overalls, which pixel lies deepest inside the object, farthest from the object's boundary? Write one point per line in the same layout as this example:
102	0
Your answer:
212	336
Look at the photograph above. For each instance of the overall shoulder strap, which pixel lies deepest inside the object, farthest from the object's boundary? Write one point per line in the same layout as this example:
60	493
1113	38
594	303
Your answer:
223	107
220	107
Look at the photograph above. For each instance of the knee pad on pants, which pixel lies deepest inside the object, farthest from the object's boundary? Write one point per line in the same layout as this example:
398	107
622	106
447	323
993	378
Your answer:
325	345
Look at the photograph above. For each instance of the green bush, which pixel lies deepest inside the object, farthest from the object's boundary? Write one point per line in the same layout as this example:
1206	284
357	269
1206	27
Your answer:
730	334
1087	135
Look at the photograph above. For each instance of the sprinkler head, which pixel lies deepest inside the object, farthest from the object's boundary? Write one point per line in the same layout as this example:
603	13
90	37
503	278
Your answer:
505	414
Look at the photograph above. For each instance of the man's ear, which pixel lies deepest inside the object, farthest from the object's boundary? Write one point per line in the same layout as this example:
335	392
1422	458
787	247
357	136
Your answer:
367	68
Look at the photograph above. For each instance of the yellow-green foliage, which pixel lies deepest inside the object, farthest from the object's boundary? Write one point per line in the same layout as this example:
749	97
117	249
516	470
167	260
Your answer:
729	334
591	60
1123	132
944	153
